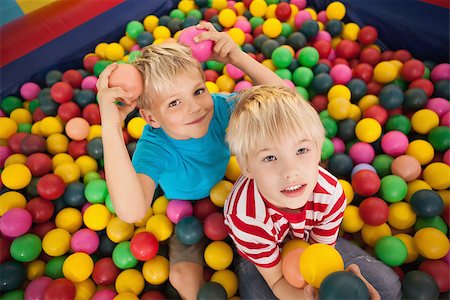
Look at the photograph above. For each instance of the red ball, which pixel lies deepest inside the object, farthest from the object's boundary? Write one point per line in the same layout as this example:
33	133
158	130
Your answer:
364	72
38	114
368	35
247	3
41	229
209	13
374	211
376	112
77	148
39	164
283	11
249	38
319	102
395	111
340	61
370	56
153	295
211	75
214	227
15	141
366	183
326	62
61	92
91	113
4	250
105	271
399	272
69	110
437	269
41	210
89	62
412	70
402	55
323	47
60	289
347	49
51	187
204	208
423	84
257	30
387	55
33	143
374	88
353	63
73	77
144	246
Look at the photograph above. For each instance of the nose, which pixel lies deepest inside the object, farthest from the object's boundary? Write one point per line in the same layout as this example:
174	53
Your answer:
289	170
193	106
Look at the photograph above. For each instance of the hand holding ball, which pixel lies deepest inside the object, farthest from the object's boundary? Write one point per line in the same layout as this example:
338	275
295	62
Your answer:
200	50
128	78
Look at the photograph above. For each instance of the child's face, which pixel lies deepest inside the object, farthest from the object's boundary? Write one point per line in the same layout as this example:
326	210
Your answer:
286	173
186	111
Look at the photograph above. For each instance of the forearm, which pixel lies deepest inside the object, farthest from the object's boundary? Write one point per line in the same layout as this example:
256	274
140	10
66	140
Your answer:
284	291
260	74
127	194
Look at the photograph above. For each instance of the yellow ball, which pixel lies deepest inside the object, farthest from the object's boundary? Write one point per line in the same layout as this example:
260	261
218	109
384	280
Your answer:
339	108
228	280
227	17
78	267
36	128
355	112
160	226
415	186
21	116
219	192
212	87
7	127
61	158
368	130
136	127
385	72
352	222
225	83
421	150
160	205
85	289
409	243
16	176
272	27
312	12
445	195
237	35
270	11
156	270
371	234
335	10
119	231
269	64
292	245
437	175
57	143
219	4
186	5
397	64
240	8
233	170
11	199
94	132
56	242
424	120
335	41
431	243
86	164
115	51
161	32
143	221
126	296
150	23
218	255
339	90
127	43
130	280
401	215
96	217
35	269
68	171
51	125
318	261
69	219
100	50
258	8
350	31
16	158
367	101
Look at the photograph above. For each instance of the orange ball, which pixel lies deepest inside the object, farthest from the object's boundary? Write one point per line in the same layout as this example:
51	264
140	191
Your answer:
128	78
77	129
407	167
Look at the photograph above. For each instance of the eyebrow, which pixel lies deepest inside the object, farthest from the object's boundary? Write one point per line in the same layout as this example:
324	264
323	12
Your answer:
268	149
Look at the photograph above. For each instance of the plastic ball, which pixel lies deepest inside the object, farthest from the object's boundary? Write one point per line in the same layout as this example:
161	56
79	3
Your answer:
412	70
128	78
362	153
178	210
339	108
15	222
340	165
228	280
335	10
419	285
290	268
77	129
424	120
391	96
431	243
421	150
203	208
33	143
60	288
437	175
211	290
36	288
69	219
368	130
61	92
96	191
343	285
26	248
51	187
374	211
407	167
214	227
440	72
439	137
218	255
85	240
156	270
78	267
189	230
122	256
130	281
439	271
308	56
427	203
118	230
220	191
16	176
341	74
160	226
56	242
96	217
281	57
391	250
144	246
393	188
258	8
201	50
371	234
394	143
41	210
352	222
105	272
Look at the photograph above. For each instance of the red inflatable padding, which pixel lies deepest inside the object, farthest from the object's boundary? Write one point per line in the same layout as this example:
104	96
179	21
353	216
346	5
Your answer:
37	28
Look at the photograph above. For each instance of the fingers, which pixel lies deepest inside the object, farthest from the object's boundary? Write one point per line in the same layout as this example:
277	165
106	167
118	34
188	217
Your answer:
116	93
103	79
374	295
206	25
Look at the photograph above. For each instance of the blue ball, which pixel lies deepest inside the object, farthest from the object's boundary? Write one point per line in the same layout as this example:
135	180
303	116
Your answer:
189	230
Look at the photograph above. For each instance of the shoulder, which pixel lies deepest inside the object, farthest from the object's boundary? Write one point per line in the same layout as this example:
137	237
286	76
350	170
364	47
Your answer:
327	183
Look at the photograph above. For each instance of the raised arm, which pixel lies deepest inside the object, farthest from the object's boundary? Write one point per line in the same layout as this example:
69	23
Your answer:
130	193
227	51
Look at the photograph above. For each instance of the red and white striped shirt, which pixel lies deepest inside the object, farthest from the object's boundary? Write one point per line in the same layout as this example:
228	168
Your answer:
258	228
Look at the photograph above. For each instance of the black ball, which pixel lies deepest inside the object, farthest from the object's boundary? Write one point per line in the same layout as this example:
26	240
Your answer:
340	165
212	290
391	96
268	47
343	285
415	99
346	130
322	83
419	285
297	40
95	148
358	89
334	27
74	194
442	89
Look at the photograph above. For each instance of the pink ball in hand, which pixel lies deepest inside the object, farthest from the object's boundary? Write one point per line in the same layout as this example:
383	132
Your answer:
201	50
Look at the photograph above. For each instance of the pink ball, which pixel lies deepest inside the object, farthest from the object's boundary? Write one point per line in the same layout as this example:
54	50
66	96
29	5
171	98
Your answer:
322	36
135	47
301	4
341	74
85	206
439	105
339	145
15	222
104	295
85	240
201	50
77	129
243	24
322	17
301	17
178	210
394	143
446	157
5	152
89	83
36	288
440	72
363	166
234	72
445	120
332	55
361	152
244	84
29	91
289	83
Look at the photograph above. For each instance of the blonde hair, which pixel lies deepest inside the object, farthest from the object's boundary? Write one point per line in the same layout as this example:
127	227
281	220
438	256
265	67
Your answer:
159	65
267	114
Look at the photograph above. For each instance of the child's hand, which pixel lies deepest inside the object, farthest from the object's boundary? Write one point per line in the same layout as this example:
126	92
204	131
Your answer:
225	49
113	114
353	268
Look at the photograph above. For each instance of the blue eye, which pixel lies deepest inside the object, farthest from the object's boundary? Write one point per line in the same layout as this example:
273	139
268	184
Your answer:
174	103
269	158
199	91
302	150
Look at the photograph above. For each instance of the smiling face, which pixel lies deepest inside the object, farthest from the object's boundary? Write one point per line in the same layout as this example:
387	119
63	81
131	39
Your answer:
285	172
183	112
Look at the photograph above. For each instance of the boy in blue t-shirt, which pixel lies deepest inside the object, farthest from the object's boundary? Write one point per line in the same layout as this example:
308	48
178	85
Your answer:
182	148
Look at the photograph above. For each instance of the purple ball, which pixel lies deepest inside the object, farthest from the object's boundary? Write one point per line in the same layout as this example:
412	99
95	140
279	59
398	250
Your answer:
394	143
178	210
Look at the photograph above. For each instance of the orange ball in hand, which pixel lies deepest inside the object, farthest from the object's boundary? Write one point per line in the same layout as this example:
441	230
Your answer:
128	78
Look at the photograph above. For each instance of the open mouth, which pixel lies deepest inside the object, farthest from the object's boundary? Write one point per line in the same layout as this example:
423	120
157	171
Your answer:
294	190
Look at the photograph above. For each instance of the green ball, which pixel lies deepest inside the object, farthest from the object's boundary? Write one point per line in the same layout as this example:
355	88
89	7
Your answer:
10	103
133	55
96	191
177	14
382	164
327	149
256	21
330	126
393	188
324	114
122	256
109	204
134	28
90	176
272	2
26	248
303	76
426	73
14	295
195	13
53	268
391	250
33	105
400	83
100	66
281	57
284	73
399	123
439	137
286	29
435	222
308	56
303	92
214	65
24	127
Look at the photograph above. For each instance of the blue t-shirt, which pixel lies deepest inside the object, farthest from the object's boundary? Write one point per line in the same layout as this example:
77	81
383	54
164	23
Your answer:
186	169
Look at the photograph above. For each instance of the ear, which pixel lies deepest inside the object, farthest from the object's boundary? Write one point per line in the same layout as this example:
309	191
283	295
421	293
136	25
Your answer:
244	168
148	117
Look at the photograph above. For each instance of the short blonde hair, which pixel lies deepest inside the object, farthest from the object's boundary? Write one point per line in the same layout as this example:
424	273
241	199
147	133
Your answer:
267	114
159	65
